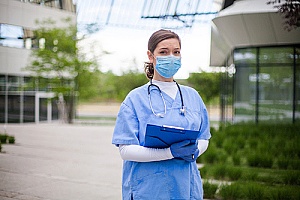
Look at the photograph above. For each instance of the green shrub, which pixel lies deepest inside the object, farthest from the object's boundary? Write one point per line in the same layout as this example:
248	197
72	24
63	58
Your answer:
260	160
230	192
0	147
236	159
249	175
3	138
280	194
220	171
291	178
295	164
11	139
283	162
253	191
209	190
234	173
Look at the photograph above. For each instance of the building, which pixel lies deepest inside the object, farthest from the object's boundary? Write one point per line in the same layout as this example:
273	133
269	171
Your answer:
18	102
261	60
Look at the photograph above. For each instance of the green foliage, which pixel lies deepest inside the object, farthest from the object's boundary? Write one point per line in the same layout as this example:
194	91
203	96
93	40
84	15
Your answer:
262	161
209	190
5	138
58	65
127	82
207	85
231	192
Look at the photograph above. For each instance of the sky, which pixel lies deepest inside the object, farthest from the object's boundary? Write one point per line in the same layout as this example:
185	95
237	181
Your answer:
127	44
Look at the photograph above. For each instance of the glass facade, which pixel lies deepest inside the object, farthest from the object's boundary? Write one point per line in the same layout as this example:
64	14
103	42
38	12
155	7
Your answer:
17	100
266	85
59	4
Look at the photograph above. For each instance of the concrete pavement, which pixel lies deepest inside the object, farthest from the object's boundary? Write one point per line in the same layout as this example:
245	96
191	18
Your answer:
60	162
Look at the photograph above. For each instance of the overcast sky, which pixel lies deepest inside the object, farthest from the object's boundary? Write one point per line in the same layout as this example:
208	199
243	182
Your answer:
127	44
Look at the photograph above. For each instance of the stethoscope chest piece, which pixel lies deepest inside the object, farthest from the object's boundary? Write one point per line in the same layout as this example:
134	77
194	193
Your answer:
183	110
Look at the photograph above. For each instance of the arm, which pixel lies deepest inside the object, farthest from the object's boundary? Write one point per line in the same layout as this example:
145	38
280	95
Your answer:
139	153
202	146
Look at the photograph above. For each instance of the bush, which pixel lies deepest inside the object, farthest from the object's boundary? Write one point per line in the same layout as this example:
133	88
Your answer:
234	173
260	160
236	159
280	194
265	154
220	172
292	178
3	138
283	162
11	139
253	191
209	190
230	192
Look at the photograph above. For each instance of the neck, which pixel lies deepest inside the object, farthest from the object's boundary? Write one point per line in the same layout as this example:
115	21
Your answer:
160	78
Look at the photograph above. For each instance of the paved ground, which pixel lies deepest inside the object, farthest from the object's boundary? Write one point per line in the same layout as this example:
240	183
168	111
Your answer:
60	162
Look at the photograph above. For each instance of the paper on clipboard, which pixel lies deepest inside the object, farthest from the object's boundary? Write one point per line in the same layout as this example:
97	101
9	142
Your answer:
164	136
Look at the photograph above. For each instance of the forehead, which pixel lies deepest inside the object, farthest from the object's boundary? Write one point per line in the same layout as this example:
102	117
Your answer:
168	43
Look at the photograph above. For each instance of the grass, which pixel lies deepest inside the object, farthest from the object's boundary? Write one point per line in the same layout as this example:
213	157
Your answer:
261	161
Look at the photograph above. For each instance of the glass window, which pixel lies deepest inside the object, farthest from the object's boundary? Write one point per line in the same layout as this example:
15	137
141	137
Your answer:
276	55
245	93
245	56
297	89
276	93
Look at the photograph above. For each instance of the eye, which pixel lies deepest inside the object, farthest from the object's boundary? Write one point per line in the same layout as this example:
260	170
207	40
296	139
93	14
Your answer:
176	53
164	52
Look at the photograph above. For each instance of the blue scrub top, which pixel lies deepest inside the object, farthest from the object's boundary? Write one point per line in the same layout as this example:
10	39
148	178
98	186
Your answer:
168	179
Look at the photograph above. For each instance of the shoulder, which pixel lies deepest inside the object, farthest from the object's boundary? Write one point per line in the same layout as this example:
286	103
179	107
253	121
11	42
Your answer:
189	90
136	94
191	94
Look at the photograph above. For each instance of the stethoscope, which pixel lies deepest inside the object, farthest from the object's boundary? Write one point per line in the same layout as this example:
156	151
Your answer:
182	109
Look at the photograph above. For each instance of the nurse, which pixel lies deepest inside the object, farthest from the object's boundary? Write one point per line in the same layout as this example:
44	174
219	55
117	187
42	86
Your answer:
168	173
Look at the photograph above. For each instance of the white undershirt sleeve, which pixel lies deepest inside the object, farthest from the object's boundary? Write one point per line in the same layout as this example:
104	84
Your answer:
143	154
202	146
139	153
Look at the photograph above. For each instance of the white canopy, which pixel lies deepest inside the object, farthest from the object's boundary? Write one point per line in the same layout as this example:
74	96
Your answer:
248	23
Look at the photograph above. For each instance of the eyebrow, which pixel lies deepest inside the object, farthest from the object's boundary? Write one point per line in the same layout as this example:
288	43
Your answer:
164	48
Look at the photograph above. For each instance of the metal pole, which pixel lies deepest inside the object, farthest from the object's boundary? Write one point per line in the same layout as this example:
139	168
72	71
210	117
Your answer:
6	102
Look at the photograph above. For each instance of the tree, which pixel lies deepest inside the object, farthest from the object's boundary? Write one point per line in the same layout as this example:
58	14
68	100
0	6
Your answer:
290	10
207	85
57	63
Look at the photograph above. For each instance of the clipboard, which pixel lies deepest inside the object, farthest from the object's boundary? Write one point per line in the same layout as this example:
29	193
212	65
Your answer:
164	136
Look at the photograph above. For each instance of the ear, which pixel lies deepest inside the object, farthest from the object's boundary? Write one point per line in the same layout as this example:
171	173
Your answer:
150	56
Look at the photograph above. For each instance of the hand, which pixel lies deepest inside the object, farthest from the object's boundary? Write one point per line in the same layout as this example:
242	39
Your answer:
184	148
191	158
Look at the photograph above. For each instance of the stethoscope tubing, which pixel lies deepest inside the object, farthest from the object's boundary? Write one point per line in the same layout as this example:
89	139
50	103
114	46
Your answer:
182	110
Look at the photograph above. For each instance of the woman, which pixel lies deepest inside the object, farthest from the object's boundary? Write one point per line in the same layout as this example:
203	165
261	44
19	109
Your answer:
161	173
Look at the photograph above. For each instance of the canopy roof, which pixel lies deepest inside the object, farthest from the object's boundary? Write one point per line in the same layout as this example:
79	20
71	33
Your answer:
247	23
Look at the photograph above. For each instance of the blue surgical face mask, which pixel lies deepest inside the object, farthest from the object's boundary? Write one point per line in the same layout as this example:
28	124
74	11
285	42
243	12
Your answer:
167	66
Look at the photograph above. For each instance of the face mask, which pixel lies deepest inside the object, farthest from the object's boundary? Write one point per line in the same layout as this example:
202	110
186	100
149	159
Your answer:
167	66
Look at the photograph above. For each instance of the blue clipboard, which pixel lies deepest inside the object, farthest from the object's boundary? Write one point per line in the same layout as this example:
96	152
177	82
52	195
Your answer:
164	136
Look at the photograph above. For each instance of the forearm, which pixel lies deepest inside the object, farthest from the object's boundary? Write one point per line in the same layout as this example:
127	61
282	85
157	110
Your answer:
143	154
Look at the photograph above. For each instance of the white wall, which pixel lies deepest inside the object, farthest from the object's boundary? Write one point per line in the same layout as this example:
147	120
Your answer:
13	60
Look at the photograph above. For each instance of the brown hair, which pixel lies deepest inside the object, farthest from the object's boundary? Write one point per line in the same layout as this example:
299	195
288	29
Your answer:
156	38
